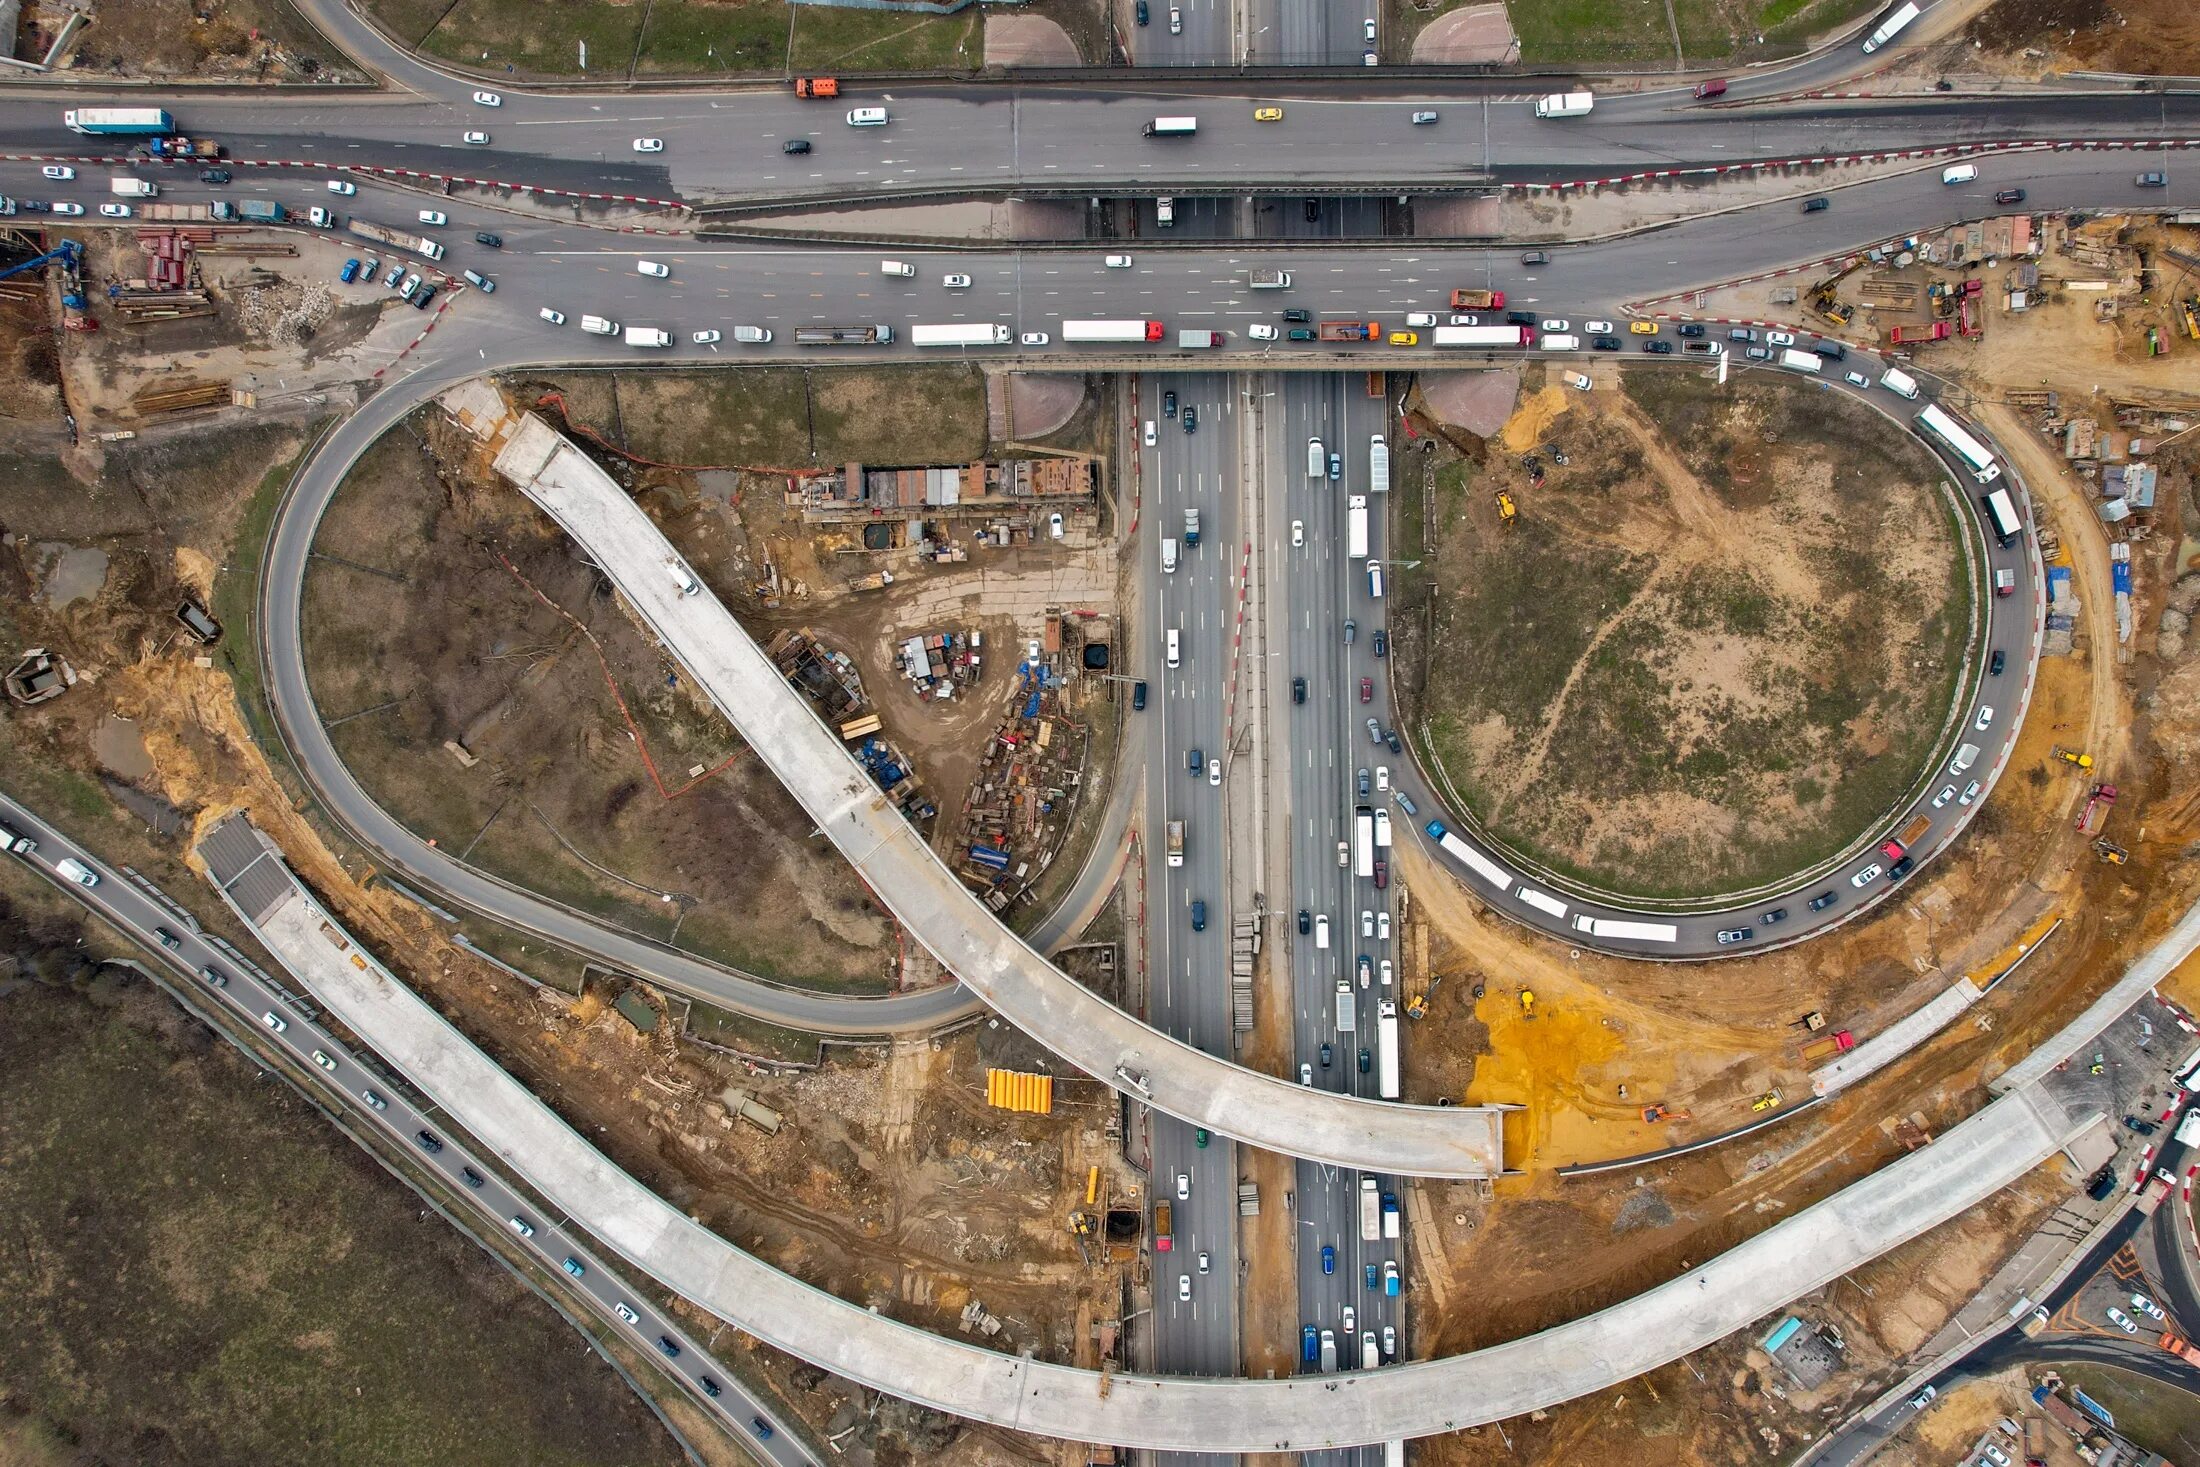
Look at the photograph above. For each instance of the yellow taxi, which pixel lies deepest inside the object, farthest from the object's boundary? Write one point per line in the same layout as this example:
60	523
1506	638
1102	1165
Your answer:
1643	328
1267	114
1405	338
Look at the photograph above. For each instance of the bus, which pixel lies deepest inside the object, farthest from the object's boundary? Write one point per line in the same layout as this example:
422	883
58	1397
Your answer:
1634	931
2001	513
1891	27
979	335
1469	857
1960	443
1363	842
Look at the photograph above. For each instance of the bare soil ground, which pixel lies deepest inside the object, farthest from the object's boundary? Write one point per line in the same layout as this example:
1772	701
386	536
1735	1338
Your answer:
217	40
1675	671
2140	37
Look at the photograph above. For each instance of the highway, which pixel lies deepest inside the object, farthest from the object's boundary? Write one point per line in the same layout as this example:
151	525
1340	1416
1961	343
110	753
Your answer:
359	1086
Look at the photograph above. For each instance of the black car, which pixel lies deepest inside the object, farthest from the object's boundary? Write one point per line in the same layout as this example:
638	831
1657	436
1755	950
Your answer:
1520	318
1832	351
1777	914
1144	15
1191	418
1996	663
1199	916
1901	869
710	1387
420	301
1138	697
1325	1056
1604	343
1382	642
1688	328
493	241
670	1346
1313	211
1300	317
1364	1061
2009	196
2144	1128
1818	205
1298	690
761	1427
1168	403
469	1176
1658	348
2103	1183
214	175
796	145
1821	901
1306	921
1536	257
1390	737
428	1142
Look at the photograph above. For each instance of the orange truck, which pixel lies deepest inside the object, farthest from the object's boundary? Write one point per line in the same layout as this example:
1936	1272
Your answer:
816	86
1904	335
1348	331
1840	1043
2180	1347
1477	300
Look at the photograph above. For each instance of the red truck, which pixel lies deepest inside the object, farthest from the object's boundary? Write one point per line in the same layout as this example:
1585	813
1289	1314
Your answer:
1906	837
1902	335
1840	1043
817	86
1349	331
1478	300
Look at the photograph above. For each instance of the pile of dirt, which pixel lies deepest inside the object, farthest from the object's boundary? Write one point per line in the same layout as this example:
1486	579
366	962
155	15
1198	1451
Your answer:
2140	37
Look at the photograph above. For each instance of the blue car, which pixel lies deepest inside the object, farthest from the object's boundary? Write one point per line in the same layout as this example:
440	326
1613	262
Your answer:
670	1346
1372	1285
1310	1345
1329	1258
574	1267
349	273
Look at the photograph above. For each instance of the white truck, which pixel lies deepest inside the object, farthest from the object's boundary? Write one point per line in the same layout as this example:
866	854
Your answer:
985	334
1386	1049
1378	465
599	326
648	336
133	188
1270	280
1371	1210
1899	382
1565	104
1347	1007
1806	362
1355	527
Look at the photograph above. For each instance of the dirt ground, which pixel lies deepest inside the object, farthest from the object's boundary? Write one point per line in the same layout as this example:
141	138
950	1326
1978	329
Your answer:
1674	671
2139	37
225	40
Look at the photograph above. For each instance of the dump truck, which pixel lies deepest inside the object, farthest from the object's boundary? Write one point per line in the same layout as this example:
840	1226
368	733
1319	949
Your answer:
1477	300
1349	331
817	86
1176	843
843	335
2096	808
395	238
218	210
182	150
1907	836
1270	280
1904	335
1839	1043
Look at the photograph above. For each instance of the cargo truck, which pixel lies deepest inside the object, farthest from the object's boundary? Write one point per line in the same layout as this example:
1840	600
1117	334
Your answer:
1348	331
1191	525
1197	340
1164	1236
648	336
1363	842
1176	843
1386	1049
1113	330
1171	127
843	335
1270	280
1390	1214
1899	843
1899	382
1904	335
395	239
1485	336
1565	104
15	841
1347	1007
817	86
1371	1210
1840	1043
1478	300
132	188
1355	527
981	335
1802	361
118	121
261	211
219	210
182	150
1378	465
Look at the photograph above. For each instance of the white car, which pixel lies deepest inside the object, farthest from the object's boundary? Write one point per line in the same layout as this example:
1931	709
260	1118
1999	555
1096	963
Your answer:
1995	1455
478	139
1367	29
1214	771
626	1312
1184	1288
2147	1307
555	318
1176	20
1306	1073
274	1021
1597	328
2121	1320
435	217
1119	262
1382	778
653	270
1867	876
1970	792
1262	331
1557	325
1985	717
1382	926
1203	1263
1384	968
114	211
1779	338
63	206
1367	922
956	282
705	338
1150	437
1183	1186
1466	320
1054	525
1351	1319
1039	338
1298	534
324	1061
649	145
342	187
1947	793
489	99
61	171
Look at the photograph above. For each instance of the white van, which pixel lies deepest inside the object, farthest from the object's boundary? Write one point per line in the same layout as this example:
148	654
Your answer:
1317	460
76	871
1559	341
1959	173
598	326
867	117
899	269
1375	579
1164	210
1321	932
1899	382
752	335
1173	658
683	577
1168	556
1964	759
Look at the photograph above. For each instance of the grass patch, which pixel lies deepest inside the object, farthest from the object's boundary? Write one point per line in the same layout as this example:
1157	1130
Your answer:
2151	1414
409	21
752	1036
1591	30
684	37
537	39
827	39
203	1273
236	606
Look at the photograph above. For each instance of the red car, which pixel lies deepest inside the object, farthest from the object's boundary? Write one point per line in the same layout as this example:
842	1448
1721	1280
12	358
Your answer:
1367	690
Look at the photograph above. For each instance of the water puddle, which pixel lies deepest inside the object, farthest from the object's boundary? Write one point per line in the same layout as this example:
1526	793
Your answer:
117	744
75	573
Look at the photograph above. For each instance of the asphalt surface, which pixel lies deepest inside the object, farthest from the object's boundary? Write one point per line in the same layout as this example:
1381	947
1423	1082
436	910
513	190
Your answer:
351	1083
